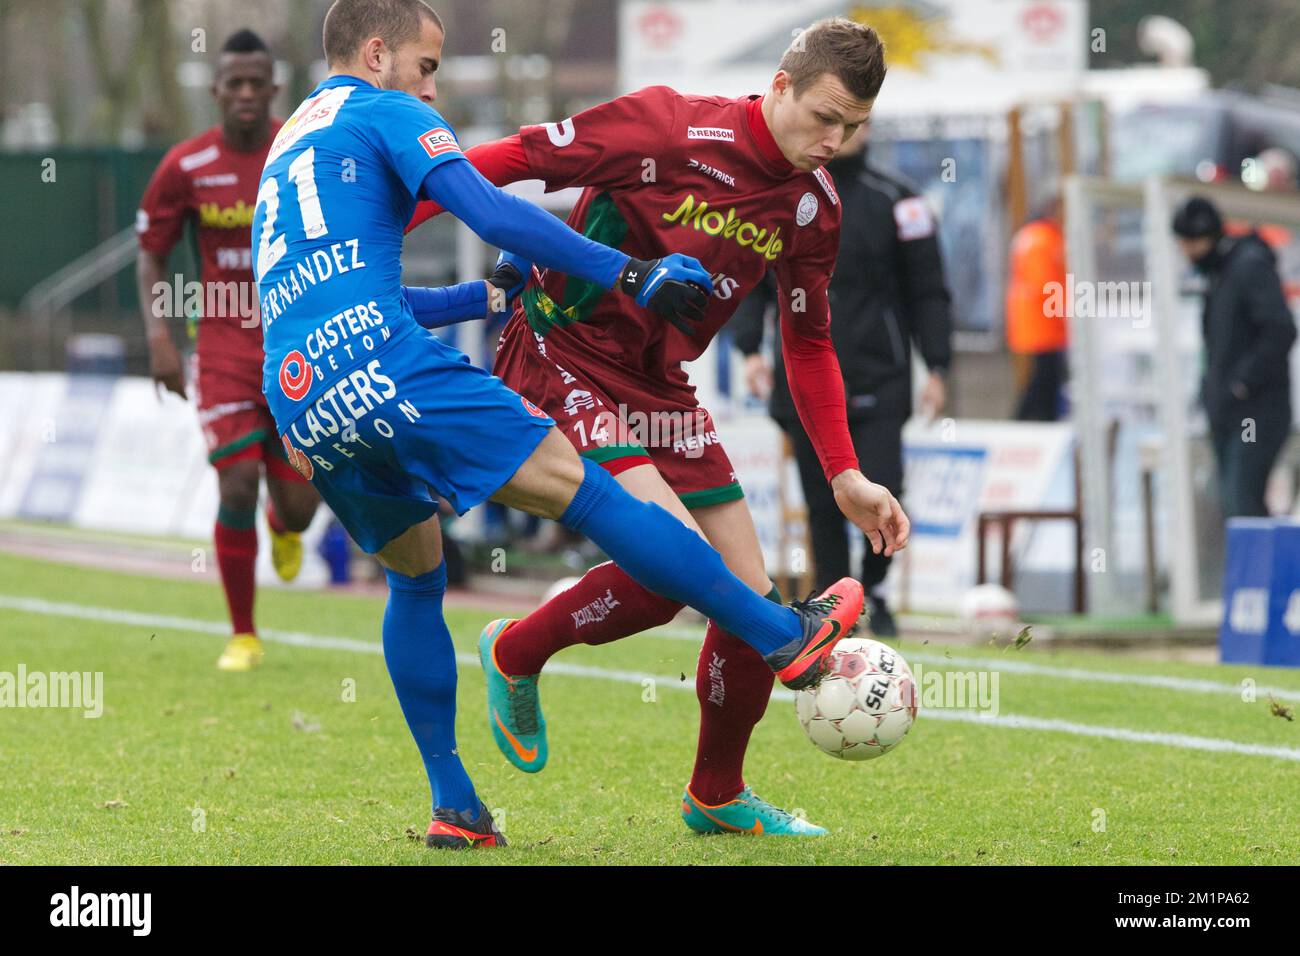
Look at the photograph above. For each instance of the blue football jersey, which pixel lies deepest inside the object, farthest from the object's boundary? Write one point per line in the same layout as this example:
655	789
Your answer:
337	192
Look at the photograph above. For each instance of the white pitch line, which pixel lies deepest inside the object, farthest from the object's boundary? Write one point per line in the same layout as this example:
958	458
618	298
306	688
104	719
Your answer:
1191	684
302	639
1184	741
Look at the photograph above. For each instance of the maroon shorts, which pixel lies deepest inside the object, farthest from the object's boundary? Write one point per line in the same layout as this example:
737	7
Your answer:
236	421
618	424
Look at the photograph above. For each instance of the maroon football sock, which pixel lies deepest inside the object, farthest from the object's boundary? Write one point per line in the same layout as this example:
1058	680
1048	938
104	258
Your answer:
273	519
236	557
603	606
733	684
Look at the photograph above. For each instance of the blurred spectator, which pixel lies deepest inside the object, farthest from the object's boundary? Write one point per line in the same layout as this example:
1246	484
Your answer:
1035	334
888	290
1248	330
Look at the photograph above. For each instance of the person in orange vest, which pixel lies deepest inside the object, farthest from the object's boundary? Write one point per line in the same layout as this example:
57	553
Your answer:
1036	330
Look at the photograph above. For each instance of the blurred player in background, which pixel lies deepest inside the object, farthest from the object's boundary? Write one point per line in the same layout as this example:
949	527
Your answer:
385	419
888	292
739	183
210	181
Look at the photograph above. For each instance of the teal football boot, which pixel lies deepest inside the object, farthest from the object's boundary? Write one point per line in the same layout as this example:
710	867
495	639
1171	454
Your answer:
514	711
747	813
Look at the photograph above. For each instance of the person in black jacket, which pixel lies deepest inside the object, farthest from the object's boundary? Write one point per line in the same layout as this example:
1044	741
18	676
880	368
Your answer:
887	292
1248	330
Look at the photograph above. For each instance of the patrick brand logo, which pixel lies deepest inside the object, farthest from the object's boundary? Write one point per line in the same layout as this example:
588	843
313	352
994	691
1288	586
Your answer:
103	909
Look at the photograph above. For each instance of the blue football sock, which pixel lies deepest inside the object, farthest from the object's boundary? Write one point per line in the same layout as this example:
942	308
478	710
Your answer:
422	664
667	557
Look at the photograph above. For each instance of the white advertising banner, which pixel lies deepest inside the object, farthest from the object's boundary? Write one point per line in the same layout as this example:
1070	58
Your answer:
943	55
106	454
148	472
33	401
953	472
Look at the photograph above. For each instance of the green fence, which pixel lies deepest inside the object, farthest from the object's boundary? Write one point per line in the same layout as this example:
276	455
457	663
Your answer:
58	204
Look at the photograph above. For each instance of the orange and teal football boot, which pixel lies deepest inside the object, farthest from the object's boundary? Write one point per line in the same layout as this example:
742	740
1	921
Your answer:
827	619
514	711
748	814
455	830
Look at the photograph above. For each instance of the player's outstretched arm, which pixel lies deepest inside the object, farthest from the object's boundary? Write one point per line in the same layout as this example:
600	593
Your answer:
817	387
436	308
675	287
501	162
605	146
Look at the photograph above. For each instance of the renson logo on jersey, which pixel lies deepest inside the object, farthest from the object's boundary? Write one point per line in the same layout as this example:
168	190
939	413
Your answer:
238	216
711	132
729	226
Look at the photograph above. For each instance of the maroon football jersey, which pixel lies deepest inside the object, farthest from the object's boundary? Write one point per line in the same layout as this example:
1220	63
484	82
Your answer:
204	181
666	172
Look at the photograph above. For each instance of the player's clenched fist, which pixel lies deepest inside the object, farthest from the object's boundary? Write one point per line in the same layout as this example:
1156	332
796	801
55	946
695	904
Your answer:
675	287
873	509
507	280
165	366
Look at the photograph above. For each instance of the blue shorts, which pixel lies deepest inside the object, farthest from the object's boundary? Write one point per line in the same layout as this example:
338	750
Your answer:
415	423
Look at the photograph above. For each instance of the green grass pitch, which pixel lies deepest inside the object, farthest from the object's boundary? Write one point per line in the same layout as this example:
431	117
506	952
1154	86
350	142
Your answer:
188	765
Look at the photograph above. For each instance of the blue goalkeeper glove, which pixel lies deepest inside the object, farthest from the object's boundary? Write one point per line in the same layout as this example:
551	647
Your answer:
675	287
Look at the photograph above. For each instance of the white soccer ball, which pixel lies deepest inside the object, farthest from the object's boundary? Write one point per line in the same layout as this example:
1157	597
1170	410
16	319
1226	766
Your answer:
559	586
990	609
865	705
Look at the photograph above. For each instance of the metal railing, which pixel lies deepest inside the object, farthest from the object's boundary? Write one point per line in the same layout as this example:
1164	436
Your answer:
48	301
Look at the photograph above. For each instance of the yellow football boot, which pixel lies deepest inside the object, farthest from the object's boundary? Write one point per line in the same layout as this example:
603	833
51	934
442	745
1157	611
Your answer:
286	553
243	653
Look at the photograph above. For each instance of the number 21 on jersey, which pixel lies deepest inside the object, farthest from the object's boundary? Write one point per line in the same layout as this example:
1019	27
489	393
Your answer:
302	175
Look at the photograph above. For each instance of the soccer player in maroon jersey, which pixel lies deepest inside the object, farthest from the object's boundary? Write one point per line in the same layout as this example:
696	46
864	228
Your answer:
211	181
738	184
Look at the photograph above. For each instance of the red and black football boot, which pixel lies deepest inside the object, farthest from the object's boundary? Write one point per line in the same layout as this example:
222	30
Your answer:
454	830
827	618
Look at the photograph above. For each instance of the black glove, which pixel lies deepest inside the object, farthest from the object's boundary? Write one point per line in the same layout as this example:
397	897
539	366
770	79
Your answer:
675	287
510	276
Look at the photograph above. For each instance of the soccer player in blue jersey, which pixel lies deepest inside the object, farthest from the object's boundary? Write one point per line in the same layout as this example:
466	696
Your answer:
384	418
